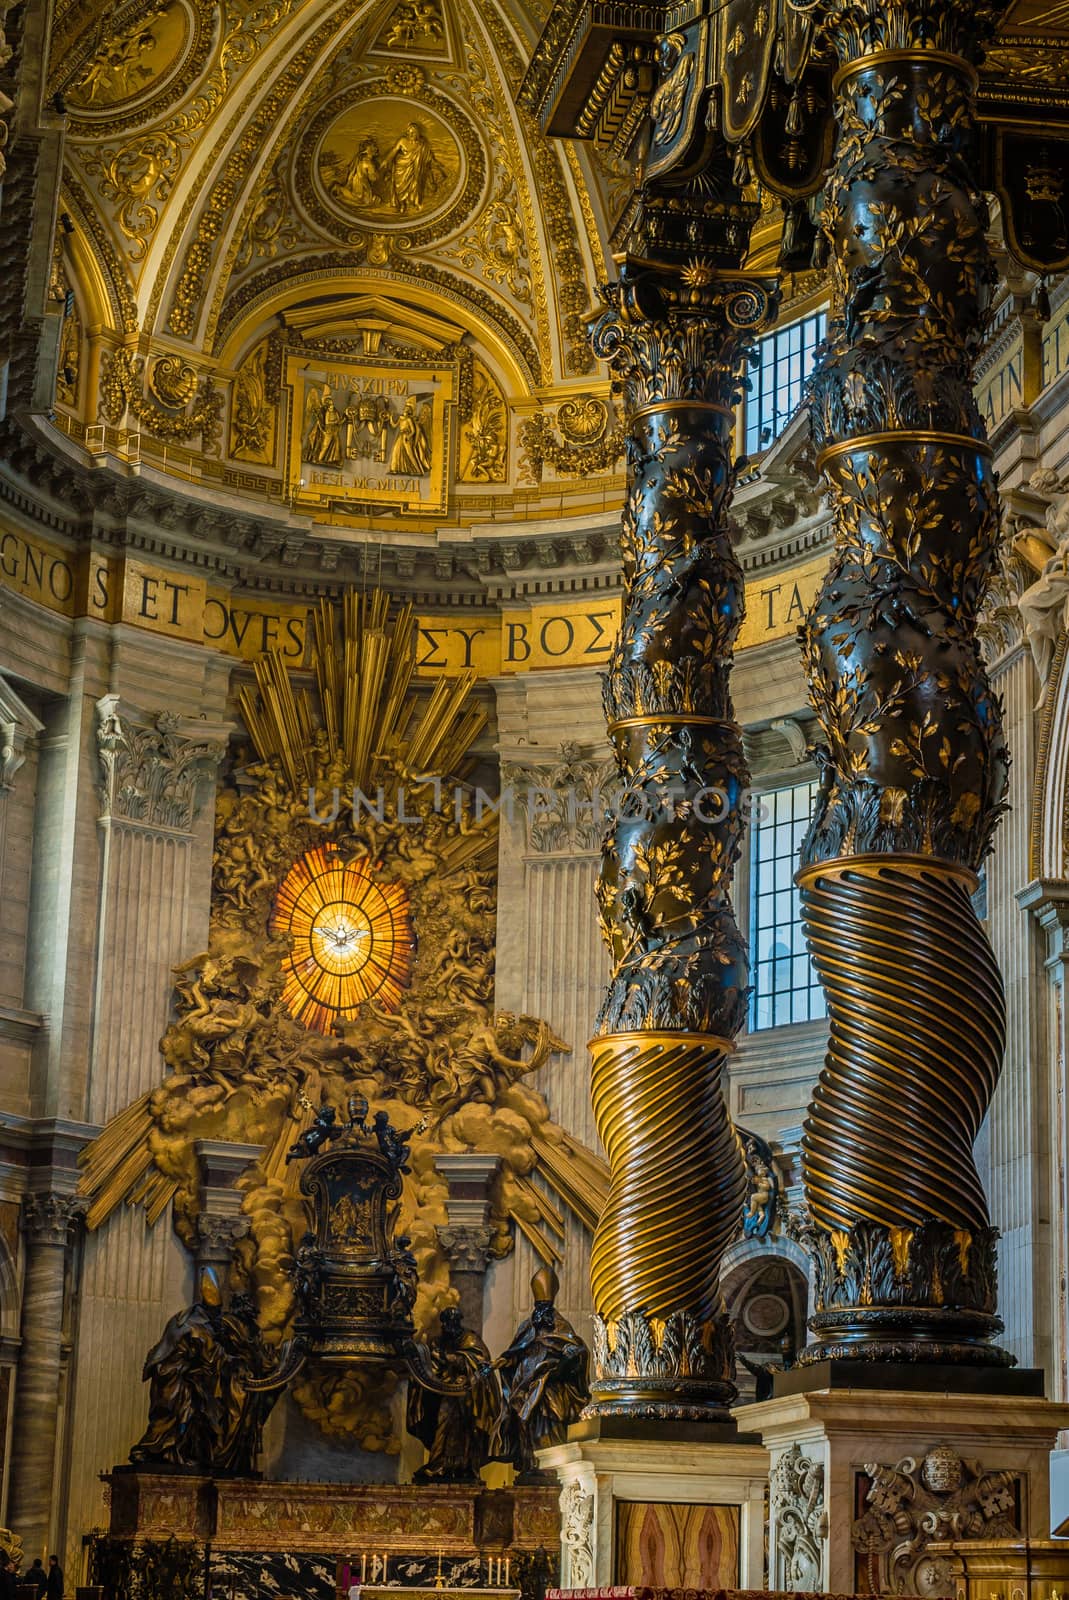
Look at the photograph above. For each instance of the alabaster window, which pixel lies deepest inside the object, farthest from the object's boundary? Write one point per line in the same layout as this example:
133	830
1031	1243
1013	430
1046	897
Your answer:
785	987
784	361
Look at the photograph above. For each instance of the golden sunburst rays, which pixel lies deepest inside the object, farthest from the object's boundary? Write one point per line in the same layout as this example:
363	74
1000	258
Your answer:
351	938
365	716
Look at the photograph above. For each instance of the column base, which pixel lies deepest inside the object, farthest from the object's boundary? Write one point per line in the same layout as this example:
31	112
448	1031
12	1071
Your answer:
863	1479
909	1378
664	1403
616	1472
957	1337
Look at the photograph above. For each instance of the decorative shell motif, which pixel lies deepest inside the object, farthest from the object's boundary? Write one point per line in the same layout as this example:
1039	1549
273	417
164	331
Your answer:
173	382
584	419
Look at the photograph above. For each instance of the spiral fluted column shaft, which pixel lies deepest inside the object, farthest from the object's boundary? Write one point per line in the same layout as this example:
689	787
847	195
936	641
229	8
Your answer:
913	763
674	340
910	1070
647	1250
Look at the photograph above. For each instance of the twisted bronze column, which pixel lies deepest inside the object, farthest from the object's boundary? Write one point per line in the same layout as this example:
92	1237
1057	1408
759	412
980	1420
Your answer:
914	765
674	334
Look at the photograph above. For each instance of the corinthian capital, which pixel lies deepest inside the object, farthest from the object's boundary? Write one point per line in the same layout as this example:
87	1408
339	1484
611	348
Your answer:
564	799
18	726
151	770
467	1247
52	1218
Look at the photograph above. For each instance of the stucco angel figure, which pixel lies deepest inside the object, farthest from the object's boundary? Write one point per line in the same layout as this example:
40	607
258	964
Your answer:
490	1058
1043	606
217	1016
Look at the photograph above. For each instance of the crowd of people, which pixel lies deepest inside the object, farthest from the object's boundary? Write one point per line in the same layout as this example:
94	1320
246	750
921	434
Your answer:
48	1583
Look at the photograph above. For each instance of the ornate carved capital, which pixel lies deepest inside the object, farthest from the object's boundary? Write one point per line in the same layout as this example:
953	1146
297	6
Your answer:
216	1236
18	725
467	1247
679	334
857	30
52	1218
565	802
151	774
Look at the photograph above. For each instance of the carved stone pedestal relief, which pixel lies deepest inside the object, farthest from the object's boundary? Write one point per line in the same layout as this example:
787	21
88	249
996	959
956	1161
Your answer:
797	1521
863	1481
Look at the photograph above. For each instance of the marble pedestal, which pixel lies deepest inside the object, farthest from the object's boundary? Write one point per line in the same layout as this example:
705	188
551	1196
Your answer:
862	1481
681	1508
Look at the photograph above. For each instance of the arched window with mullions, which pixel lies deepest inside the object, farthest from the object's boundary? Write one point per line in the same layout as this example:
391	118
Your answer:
785	987
785	359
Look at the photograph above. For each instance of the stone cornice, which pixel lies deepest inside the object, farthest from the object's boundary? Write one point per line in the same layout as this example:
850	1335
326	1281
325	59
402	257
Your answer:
268	553
20	1027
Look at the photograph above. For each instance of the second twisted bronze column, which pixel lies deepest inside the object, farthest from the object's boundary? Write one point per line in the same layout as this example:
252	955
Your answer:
914	766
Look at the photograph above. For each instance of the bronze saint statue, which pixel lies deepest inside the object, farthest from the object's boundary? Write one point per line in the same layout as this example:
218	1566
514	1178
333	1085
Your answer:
201	1414
544	1379
245	1411
455	1428
186	1373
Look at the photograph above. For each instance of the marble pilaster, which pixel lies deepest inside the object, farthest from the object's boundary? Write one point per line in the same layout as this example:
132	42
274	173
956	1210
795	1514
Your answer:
49	1222
466	1235
221	1223
1048	905
19	731
551	961
1012	1149
155	823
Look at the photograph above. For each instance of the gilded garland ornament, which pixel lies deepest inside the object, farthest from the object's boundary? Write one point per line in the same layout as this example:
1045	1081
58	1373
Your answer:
674	339
913	764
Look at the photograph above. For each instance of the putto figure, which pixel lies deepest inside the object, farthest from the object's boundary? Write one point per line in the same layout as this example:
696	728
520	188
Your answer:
544	1376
